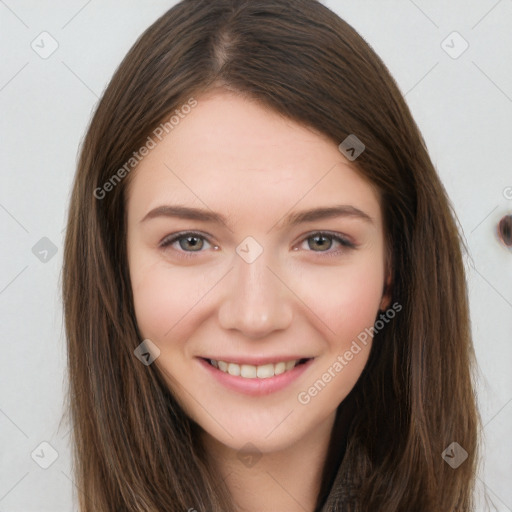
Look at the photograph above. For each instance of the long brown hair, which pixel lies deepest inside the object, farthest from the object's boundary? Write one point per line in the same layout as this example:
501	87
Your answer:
134	447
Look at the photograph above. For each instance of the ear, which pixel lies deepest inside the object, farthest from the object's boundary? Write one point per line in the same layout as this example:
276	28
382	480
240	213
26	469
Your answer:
386	292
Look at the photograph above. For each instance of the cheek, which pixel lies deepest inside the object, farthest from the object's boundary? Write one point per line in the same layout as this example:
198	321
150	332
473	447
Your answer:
162	295
163	298
345	299
154	306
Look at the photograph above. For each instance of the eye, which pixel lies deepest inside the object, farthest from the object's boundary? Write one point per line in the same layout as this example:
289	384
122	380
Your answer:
188	242
191	242
324	242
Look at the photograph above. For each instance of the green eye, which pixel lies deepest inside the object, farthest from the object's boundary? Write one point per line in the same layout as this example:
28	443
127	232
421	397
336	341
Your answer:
188	242
324	242
321	242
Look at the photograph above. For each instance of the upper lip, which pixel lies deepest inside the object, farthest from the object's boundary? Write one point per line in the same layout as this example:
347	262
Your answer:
256	361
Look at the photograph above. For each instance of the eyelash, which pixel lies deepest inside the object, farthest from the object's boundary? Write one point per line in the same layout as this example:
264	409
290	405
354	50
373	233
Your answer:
171	239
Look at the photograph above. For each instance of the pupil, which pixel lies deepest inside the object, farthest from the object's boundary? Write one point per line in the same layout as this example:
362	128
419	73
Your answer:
192	241
321	244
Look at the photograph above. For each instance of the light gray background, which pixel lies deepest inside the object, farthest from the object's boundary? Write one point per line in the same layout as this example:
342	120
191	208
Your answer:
463	107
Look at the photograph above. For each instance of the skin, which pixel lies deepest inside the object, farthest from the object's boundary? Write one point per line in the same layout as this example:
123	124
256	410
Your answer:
300	296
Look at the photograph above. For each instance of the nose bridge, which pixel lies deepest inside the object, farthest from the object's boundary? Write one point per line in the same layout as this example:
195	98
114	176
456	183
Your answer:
256	302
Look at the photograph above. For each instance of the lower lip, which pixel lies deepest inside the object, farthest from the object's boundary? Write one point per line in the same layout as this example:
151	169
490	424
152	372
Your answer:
256	386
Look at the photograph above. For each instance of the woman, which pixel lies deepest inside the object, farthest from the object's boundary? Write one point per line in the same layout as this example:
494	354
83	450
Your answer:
221	360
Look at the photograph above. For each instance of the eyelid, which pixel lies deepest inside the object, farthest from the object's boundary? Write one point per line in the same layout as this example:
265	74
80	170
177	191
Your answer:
174	237
327	233
345	242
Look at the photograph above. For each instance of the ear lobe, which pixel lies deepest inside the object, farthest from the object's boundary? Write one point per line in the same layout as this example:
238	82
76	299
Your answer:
386	294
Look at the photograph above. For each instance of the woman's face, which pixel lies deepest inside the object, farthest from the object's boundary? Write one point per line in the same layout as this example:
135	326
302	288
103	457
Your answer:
263	275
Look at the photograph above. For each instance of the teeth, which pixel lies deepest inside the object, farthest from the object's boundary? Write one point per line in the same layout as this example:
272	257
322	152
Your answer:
250	371
279	368
234	369
265	371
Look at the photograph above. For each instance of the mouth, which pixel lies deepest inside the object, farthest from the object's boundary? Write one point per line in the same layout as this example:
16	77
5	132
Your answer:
249	371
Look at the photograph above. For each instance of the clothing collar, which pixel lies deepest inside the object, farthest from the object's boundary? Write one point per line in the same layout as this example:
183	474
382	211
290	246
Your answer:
336	466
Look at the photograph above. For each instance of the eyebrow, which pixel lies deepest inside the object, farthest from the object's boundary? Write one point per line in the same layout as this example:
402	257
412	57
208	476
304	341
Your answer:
314	214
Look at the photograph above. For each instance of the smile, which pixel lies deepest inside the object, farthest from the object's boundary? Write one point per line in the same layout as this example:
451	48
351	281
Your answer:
249	371
255	379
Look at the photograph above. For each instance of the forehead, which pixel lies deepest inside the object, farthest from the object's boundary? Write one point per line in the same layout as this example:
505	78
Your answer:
231	153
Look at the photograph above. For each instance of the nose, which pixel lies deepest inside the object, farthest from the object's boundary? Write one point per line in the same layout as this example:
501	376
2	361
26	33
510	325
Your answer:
256	301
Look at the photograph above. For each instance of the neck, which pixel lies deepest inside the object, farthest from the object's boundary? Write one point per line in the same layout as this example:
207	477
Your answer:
296	478
337	448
